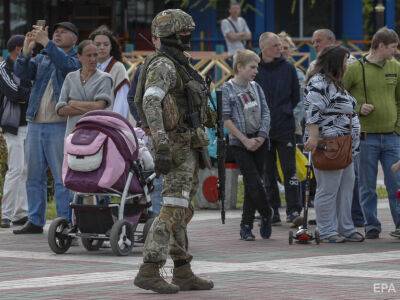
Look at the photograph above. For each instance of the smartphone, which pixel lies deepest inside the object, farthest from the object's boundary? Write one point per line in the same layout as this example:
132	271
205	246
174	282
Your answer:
41	23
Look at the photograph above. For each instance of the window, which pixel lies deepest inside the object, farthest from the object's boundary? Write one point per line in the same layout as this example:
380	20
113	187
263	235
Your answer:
304	17
2	42
18	17
140	14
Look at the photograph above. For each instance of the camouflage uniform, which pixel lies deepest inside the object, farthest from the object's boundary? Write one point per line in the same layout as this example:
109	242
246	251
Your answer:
164	109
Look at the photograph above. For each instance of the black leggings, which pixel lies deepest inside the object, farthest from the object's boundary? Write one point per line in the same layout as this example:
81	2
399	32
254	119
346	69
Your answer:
251	166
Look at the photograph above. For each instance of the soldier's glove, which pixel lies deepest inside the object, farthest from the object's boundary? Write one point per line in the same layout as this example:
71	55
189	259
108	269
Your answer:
163	158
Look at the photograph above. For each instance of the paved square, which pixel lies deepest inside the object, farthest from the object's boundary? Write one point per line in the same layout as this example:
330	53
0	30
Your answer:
264	269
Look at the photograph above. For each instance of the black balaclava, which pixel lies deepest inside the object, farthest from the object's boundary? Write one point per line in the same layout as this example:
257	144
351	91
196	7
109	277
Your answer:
182	42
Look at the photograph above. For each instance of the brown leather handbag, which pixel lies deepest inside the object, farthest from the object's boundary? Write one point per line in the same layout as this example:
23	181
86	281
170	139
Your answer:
333	153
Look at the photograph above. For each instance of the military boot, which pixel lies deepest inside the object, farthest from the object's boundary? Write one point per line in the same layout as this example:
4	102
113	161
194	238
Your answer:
186	280
149	278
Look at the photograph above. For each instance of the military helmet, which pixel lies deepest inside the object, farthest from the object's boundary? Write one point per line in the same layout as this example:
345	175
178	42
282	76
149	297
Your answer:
171	21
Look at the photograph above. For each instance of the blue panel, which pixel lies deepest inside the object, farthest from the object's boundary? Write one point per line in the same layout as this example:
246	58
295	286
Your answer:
264	19
390	13
206	21
260	17
352	19
269	15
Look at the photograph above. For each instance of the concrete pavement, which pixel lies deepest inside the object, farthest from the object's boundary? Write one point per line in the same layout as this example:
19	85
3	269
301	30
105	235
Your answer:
263	269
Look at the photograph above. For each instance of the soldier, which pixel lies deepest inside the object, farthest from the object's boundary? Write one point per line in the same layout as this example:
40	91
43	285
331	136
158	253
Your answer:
171	98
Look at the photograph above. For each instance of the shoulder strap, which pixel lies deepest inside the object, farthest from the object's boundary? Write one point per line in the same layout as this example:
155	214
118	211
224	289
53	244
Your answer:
232	90
235	29
364	81
138	99
256	87
233	25
110	65
180	69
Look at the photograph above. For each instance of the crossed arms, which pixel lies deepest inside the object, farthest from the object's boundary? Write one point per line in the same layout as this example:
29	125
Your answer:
77	108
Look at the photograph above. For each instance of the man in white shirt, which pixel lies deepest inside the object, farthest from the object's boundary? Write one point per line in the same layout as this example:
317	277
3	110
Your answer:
235	29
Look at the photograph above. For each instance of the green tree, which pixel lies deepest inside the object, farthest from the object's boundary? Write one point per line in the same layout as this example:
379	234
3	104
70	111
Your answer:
213	4
368	14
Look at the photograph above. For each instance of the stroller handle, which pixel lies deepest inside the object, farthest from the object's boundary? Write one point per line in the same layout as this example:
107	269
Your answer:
150	178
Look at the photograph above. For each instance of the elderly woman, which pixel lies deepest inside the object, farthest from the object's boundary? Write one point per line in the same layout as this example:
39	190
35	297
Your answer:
84	90
246	116
329	114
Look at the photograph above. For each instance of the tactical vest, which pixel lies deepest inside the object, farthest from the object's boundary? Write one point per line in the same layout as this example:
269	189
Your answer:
186	100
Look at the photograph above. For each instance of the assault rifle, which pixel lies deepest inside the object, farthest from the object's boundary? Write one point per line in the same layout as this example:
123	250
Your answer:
221	155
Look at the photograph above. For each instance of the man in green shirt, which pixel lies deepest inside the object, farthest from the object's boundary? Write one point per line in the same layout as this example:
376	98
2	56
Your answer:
375	82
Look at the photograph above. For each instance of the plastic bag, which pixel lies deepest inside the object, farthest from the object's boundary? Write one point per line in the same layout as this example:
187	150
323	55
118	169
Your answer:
301	169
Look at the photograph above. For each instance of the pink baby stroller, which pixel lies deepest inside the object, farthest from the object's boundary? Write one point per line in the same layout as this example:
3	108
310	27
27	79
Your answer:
100	162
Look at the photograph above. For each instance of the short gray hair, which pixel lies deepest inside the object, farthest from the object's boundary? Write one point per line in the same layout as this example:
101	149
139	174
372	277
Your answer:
327	32
264	37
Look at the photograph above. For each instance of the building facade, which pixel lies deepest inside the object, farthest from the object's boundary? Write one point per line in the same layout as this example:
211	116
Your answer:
131	19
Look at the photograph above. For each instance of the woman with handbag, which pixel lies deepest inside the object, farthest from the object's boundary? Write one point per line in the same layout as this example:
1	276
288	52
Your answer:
332	134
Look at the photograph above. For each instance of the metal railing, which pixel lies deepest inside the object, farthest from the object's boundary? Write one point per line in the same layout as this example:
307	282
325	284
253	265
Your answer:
219	66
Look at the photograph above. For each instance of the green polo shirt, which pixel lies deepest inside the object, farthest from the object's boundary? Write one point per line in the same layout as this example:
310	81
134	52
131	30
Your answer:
383	92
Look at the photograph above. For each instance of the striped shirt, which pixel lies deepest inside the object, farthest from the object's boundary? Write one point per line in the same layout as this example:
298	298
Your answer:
330	108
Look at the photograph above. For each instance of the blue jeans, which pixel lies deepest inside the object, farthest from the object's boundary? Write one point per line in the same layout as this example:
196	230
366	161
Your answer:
386	149
45	149
156	197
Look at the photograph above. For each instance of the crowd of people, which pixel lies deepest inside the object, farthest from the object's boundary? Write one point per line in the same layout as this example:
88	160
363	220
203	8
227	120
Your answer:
46	94
336	96
269	106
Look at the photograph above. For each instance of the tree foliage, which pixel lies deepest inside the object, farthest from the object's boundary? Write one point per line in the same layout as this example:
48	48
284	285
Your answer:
205	4
213	4
294	3
368	13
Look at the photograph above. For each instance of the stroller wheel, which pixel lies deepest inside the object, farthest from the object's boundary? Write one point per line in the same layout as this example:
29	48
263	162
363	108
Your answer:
121	238
146	228
92	244
290	237
58	238
317	237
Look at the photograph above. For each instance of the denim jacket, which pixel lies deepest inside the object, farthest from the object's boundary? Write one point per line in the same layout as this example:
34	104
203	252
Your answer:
51	64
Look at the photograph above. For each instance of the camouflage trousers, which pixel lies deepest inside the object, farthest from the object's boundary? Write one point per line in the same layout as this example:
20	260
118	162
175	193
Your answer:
168	234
